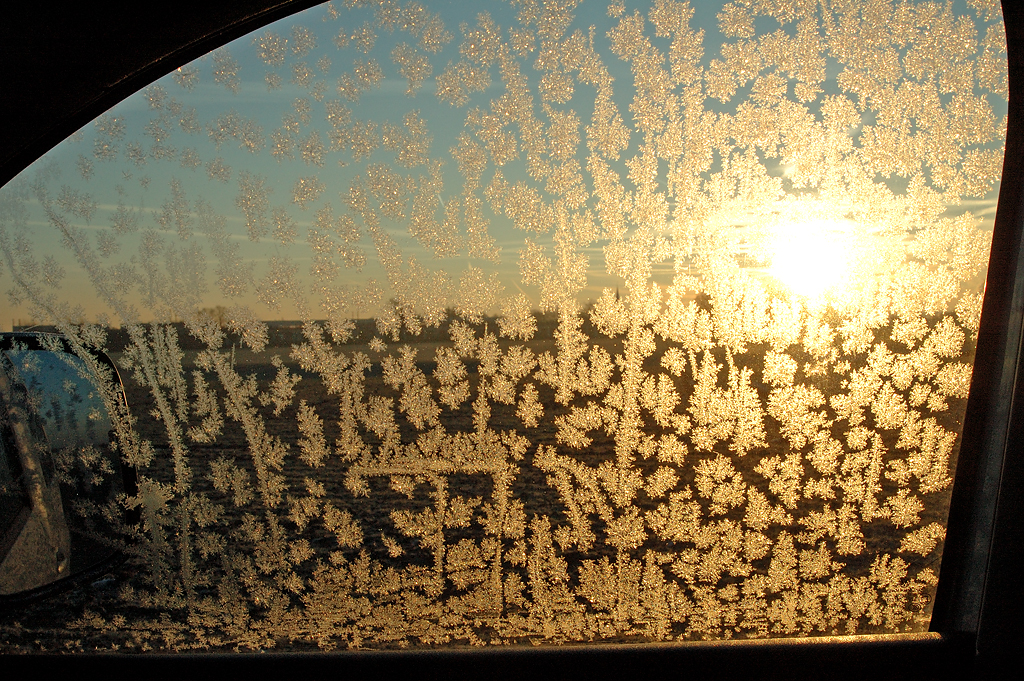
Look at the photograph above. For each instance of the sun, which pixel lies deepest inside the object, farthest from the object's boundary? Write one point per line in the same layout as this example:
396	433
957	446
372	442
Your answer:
811	257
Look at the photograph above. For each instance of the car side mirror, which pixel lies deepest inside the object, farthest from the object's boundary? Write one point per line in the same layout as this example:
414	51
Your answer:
62	482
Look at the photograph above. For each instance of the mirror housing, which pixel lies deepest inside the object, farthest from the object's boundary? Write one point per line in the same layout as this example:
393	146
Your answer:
63	484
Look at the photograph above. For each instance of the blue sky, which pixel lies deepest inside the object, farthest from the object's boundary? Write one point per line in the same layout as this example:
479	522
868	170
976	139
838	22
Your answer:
145	188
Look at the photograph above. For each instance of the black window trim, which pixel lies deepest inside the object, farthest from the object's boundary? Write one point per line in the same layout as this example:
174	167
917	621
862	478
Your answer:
107	54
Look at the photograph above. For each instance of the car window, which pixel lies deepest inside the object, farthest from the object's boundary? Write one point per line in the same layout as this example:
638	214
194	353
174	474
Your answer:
531	322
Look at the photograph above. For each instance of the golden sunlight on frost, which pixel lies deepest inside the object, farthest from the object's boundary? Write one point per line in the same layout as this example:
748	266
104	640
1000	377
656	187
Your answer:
811	257
385	411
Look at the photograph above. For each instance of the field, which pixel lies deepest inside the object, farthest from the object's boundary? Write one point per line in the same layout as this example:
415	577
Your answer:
465	594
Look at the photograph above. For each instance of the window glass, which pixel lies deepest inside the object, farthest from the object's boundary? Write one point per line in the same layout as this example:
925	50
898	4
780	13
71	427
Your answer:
529	322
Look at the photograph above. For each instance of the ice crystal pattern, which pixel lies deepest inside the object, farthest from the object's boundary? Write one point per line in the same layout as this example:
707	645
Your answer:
601	393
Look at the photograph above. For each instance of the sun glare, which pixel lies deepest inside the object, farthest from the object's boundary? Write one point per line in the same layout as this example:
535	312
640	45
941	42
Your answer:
811	257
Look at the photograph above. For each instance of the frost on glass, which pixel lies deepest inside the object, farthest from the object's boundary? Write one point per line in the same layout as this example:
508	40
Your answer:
486	323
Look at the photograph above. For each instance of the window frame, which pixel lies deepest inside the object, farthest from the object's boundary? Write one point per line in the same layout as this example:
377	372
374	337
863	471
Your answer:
107	54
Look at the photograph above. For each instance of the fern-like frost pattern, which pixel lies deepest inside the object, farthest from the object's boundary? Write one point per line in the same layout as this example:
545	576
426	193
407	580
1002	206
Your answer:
661	329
